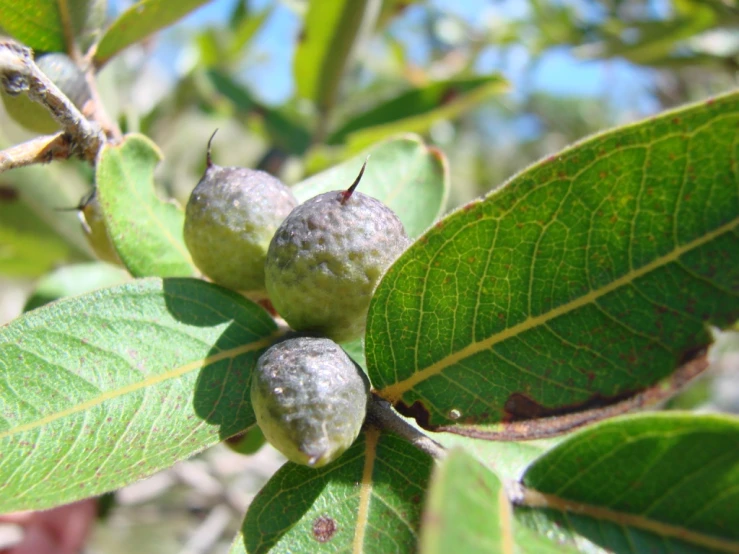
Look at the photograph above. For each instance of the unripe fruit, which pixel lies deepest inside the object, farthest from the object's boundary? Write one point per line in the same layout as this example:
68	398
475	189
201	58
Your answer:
229	221
326	259
67	76
310	399
96	232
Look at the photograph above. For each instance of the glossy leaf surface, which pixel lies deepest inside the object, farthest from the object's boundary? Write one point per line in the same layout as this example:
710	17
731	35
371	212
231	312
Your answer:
101	390
581	285
369	500
145	230
660	483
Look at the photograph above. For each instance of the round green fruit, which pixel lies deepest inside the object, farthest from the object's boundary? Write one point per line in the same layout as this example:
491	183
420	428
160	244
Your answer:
229	221
67	76
310	399
326	259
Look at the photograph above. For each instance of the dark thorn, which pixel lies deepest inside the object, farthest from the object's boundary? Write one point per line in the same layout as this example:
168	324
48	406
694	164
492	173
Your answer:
208	161
345	195
84	201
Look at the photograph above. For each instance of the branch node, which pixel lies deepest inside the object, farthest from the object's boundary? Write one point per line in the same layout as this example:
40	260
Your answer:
381	414
83	138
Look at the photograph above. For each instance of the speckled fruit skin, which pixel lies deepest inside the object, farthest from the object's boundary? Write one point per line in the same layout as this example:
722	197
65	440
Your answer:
310	399
326	259
229	221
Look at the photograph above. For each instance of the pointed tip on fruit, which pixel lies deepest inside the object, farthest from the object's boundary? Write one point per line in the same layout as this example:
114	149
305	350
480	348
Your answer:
208	159
345	195
313	456
84	201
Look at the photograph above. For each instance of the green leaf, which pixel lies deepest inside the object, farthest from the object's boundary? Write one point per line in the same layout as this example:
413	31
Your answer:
575	291
417	110
246	30
507	459
658	483
248	442
656	40
37	24
408	176
467	509
138	22
369	500
72	280
48	25
41	191
28	246
146	231
355	349
329	32
284	131
101	390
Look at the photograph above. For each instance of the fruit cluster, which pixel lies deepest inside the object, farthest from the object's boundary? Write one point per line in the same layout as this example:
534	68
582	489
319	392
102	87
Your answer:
319	262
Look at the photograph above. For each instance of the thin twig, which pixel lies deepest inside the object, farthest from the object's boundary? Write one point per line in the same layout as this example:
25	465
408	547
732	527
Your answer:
97	109
381	415
36	151
19	74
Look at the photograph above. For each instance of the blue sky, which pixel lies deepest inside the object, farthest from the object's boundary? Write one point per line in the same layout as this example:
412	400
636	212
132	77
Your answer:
559	72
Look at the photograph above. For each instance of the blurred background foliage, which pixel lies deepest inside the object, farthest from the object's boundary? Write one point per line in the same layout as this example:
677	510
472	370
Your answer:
296	86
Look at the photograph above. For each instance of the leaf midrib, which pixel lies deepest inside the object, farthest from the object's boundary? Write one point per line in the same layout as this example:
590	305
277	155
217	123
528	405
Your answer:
179	247
394	392
148	382
534	499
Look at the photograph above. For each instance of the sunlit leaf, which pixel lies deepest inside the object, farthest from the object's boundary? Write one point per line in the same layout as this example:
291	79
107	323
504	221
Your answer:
408	176
138	22
467	510
325	43
369	500
72	280
507	459
101	390
575	291
417	110
46	25
660	483
145	230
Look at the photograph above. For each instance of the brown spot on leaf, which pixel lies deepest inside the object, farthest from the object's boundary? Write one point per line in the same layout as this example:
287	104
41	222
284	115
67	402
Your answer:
324	528
520	407
417	411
